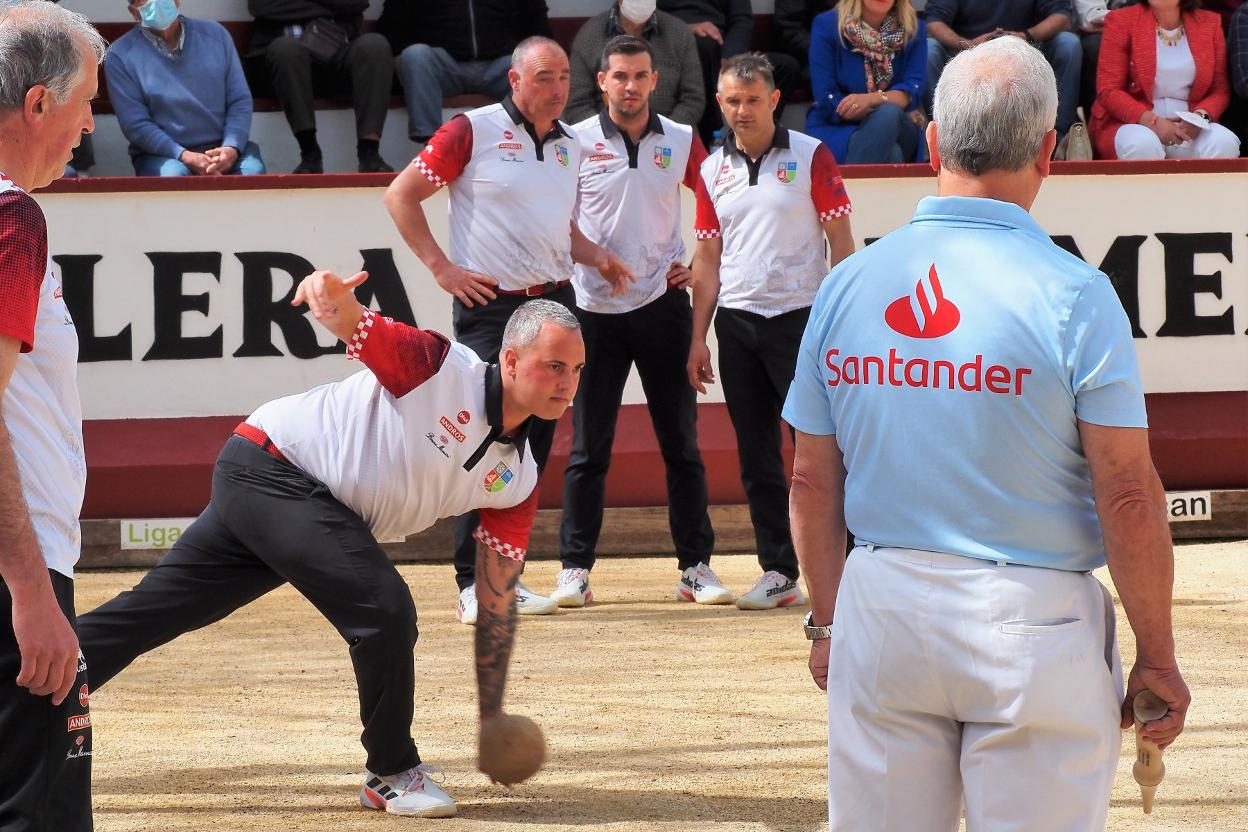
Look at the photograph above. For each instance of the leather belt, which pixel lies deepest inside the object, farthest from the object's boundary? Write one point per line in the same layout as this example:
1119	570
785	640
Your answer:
536	290
258	437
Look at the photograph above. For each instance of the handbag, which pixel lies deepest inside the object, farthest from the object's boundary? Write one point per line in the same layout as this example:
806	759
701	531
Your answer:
324	39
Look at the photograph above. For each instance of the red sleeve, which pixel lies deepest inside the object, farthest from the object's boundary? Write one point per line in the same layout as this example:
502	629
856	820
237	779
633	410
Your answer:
401	356
23	264
697	155
506	530
447	153
827	189
705	221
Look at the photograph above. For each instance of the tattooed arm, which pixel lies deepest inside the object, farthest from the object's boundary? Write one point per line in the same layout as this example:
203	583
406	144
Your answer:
496	626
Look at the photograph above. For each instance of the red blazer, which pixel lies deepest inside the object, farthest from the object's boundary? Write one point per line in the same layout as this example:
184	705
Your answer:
1128	66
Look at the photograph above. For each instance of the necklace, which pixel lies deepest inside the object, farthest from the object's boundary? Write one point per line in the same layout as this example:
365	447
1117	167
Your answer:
1173	38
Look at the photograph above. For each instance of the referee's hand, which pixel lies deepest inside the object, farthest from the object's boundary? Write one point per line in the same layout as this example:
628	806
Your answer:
613	270
471	288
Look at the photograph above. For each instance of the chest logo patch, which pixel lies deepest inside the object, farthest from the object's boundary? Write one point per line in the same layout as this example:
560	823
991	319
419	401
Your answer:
497	479
507	134
561	153
450	428
662	158
926	313
786	172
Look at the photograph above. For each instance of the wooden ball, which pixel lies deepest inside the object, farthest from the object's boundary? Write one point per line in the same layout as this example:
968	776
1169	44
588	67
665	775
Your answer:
510	749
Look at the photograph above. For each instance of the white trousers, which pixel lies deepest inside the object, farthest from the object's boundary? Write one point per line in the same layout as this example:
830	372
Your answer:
1135	141
958	681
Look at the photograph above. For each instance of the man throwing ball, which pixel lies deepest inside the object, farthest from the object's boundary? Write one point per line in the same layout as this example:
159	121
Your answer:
967	398
308	483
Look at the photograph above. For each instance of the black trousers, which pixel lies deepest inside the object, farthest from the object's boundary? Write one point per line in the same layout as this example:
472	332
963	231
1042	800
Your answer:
757	359
364	73
786	71
481	330
269	523
45	750
656	337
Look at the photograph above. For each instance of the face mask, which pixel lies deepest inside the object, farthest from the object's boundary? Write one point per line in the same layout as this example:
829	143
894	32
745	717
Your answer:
638	11
158	14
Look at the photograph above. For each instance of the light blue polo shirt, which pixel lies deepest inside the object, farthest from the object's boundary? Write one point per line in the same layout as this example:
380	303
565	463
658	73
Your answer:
952	360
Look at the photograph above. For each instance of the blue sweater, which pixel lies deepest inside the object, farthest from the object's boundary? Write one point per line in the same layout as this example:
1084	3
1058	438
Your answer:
837	71
165	105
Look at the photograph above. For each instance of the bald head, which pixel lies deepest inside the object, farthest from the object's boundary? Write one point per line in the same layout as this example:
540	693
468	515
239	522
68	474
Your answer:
539	76
993	107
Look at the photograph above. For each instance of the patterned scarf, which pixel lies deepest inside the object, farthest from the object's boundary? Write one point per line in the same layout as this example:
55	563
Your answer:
877	46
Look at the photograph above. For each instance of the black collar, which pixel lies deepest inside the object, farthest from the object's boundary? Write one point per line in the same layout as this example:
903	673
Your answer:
779	140
494	415
518	118
614	28
610	129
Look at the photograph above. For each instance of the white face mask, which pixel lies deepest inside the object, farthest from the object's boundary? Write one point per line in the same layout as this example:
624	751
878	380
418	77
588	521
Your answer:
638	11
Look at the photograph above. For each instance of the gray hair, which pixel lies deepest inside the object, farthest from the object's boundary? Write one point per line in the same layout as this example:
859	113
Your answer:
526	322
994	104
530	44
40	44
750	67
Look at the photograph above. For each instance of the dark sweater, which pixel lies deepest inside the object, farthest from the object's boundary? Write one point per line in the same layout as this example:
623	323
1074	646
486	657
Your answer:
470	30
735	19
679	95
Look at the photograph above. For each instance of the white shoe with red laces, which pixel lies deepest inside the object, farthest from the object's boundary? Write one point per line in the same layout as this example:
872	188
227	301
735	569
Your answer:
409	793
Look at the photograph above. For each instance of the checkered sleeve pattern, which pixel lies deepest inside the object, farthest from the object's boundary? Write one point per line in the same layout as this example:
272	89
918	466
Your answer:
402	357
706	219
446	154
506	530
23	264
827	189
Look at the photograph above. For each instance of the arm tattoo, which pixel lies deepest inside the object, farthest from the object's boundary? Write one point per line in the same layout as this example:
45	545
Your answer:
496	626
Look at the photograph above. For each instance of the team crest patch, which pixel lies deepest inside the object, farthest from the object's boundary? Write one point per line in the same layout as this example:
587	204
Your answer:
497	480
662	158
561	153
786	171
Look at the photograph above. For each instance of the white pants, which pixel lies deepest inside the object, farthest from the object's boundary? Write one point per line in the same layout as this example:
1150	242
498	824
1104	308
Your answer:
954	679
1135	141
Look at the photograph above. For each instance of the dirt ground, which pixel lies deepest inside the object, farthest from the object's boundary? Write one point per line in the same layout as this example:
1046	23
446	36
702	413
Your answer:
659	716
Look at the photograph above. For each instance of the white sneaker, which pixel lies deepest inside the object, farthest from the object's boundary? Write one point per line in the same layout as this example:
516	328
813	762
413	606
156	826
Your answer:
770	591
529	602
466	609
700	584
572	588
409	792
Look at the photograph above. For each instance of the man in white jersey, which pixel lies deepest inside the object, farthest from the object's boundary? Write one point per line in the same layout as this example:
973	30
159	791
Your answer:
633	163
967	398
48	60
511	169
766	200
308	483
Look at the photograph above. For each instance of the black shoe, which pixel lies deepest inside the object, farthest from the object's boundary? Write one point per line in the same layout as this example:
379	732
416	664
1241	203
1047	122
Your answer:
373	163
309	163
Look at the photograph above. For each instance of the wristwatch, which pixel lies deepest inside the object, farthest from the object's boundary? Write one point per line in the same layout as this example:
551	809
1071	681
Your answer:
814	633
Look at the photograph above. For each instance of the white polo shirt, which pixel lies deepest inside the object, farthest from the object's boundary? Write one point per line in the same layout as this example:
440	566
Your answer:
770	214
512	194
629	203
42	411
412	439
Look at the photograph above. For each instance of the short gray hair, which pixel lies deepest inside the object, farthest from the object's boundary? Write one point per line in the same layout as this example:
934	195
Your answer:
40	44
994	104
529	44
526	322
750	67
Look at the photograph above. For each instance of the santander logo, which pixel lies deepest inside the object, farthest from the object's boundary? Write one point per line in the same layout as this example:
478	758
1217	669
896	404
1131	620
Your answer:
926	313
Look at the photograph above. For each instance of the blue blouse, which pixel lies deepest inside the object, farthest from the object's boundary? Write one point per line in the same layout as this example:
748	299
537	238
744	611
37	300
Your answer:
836	71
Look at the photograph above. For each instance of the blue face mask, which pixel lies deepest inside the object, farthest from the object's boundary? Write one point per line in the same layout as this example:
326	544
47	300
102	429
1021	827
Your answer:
158	14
